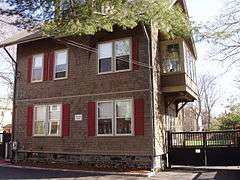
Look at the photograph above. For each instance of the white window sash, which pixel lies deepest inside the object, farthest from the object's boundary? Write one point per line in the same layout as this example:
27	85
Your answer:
33	68
116	117
36	120
98	64
110	117
55	64
130	55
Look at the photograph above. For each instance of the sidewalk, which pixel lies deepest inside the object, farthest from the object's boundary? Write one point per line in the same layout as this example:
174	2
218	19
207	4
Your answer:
131	173
206	167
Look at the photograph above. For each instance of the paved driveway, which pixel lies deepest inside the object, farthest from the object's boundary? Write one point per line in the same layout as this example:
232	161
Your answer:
17	173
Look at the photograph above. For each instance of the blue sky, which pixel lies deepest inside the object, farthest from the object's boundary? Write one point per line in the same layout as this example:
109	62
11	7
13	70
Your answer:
202	11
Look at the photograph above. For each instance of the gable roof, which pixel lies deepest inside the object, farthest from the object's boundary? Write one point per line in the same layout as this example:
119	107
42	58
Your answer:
22	37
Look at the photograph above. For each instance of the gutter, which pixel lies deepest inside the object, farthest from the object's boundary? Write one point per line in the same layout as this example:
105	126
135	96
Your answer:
14	94
150	88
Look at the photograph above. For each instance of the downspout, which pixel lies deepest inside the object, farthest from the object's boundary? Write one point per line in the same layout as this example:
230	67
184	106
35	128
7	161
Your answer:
14	94
150	87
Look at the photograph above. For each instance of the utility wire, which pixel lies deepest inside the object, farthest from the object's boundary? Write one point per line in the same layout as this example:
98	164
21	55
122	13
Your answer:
95	50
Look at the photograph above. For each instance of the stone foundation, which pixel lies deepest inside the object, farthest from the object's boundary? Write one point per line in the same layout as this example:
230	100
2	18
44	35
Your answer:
97	161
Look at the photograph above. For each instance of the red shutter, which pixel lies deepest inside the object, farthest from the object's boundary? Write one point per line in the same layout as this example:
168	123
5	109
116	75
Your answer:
135	58
91	119
65	120
29	124
45	68
29	69
51	65
139	116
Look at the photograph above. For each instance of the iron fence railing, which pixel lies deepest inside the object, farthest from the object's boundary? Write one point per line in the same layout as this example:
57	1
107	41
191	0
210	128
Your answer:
204	139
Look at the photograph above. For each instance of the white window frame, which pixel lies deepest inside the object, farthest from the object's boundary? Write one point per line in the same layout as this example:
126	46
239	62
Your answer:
33	61
34	120
113	58
54	71
47	121
132	116
114	118
100	118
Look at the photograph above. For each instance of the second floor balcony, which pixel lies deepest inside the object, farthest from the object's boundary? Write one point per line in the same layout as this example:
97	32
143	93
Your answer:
178	69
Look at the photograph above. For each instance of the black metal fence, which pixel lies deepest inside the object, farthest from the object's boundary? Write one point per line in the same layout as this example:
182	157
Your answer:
205	139
204	148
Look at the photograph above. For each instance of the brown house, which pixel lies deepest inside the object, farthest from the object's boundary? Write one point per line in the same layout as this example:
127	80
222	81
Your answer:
102	99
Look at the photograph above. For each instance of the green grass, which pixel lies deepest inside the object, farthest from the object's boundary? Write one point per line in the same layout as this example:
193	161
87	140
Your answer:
209	142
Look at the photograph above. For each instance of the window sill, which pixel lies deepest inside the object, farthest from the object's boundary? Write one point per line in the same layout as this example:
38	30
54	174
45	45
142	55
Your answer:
38	136
63	78
117	135
114	72
39	81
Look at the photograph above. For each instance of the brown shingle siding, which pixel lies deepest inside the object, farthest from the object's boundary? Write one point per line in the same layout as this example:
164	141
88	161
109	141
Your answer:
82	86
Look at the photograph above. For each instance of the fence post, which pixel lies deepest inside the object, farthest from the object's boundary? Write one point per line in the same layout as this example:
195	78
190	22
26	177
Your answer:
205	147
169	142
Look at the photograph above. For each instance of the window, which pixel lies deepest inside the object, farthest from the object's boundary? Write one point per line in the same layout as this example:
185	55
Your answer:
105	57
105	117
172	59
123	117
37	68
47	120
39	120
54	119
61	64
114	117
114	56
122	53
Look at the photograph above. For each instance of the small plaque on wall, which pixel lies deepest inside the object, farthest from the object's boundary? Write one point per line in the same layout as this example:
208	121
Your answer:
78	117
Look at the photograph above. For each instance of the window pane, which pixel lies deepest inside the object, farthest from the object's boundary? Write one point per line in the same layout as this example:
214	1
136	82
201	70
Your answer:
105	110
37	74
54	119
122	63
105	50
122	53
124	109
171	62
123	116
39	119
40	113
105	65
123	125
39	127
54	128
122	48
37	61
37	67
104	126
61	64
55	112
61	57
